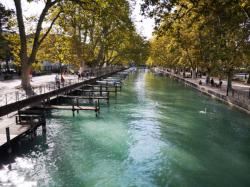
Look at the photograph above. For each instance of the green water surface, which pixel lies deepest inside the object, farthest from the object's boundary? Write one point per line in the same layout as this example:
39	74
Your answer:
157	133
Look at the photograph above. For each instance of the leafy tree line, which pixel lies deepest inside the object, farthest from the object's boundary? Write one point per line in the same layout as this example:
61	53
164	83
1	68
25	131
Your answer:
86	33
5	52
211	35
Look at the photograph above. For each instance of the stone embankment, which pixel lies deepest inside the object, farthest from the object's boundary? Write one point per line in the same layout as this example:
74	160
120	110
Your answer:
239	98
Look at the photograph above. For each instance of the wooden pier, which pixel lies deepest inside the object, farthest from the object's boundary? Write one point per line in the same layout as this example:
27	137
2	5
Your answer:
74	108
26	124
87	97
29	117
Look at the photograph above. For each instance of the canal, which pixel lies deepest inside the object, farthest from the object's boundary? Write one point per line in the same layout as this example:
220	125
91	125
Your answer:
157	133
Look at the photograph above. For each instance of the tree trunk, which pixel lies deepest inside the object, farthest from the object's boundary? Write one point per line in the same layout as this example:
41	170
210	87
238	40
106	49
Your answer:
25	60
25	76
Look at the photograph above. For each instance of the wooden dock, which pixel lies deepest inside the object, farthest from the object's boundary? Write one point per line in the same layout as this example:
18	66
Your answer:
87	97
27	122
29	118
68	107
14	130
84	97
73	108
99	86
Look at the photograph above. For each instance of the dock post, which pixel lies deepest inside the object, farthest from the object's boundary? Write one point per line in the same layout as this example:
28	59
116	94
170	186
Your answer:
44	126
108	98
16	119
98	105
73	110
100	90
115	90
34	132
8	139
96	108
77	101
106	85
89	98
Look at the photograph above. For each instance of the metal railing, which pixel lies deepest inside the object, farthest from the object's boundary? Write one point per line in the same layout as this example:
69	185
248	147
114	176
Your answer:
19	95
242	95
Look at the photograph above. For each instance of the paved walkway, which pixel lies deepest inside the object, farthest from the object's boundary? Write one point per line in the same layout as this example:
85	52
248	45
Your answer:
10	90
8	86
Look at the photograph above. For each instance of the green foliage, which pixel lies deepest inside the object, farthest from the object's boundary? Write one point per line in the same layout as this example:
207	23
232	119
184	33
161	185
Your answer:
5	16
102	33
37	67
206	34
84	32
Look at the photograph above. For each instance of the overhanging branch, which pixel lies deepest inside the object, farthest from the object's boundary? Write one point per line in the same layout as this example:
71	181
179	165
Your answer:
49	29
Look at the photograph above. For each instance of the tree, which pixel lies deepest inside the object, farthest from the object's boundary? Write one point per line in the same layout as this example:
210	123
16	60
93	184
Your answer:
27	59
101	32
5	16
213	33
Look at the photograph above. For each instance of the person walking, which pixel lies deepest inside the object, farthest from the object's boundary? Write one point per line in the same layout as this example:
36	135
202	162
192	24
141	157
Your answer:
62	80
212	82
57	81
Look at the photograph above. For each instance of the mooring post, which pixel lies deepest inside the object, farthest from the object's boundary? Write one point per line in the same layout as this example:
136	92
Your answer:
115	90
16	119
18	113
34	132
108	98
101	90
89	98
106	85
43	125
77	102
96	109
8	139
73	110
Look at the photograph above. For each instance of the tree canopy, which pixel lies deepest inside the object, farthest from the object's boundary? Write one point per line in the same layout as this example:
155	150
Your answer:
5	16
80	32
206	34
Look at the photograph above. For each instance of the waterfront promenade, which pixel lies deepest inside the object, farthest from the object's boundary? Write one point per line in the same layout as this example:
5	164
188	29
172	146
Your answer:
239	96
10	90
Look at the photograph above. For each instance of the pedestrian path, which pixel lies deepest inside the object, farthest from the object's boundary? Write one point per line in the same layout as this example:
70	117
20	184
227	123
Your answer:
239	96
10	90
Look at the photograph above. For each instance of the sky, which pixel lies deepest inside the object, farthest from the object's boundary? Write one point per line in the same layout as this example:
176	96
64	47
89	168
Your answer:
143	25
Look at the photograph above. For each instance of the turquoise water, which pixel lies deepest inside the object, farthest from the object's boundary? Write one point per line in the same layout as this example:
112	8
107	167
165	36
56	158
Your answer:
157	133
